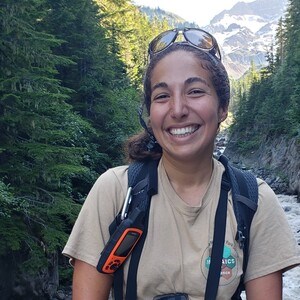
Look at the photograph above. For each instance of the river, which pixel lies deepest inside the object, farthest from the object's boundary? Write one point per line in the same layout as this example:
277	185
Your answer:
291	278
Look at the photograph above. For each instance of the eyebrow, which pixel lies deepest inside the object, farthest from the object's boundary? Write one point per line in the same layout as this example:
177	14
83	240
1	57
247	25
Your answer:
188	81
159	85
196	79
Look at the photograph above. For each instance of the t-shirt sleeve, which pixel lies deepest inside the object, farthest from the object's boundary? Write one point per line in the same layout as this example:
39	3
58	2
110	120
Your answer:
90	232
272	244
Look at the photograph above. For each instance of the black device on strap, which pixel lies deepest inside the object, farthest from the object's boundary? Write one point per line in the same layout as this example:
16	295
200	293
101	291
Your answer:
245	195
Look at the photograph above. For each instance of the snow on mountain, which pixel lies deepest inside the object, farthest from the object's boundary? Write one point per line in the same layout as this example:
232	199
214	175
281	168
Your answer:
254	23
246	32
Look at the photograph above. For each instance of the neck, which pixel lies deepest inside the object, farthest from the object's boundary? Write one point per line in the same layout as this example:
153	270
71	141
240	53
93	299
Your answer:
190	180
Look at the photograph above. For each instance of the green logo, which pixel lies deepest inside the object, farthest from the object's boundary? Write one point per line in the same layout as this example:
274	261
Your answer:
228	263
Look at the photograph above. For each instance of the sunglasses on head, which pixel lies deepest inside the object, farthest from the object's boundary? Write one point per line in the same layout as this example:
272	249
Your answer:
195	37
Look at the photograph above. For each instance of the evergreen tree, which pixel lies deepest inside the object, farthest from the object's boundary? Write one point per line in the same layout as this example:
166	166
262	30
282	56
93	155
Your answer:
270	58
281	37
273	101
292	69
103	92
130	32
41	140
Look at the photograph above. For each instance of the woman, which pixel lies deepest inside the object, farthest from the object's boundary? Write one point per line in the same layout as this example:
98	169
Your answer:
186	93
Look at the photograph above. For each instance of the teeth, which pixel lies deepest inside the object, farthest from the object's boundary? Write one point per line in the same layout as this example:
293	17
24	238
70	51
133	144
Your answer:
183	131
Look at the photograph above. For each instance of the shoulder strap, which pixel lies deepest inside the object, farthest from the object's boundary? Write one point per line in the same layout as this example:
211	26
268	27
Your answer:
214	272
142	181
245	198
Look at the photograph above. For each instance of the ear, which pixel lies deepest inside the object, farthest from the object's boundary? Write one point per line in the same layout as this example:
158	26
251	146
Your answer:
223	113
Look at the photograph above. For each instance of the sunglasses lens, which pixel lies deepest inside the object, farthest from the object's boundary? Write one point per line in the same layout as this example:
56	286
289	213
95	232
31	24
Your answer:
162	41
200	39
196	37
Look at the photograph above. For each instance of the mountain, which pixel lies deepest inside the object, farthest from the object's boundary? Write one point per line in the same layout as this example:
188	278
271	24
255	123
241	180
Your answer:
245	32
160	14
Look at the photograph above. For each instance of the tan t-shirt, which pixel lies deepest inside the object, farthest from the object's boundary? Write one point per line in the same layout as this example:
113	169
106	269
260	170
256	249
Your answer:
176	254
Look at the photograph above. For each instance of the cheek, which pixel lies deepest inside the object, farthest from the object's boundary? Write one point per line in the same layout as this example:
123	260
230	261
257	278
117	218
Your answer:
155	116
207	110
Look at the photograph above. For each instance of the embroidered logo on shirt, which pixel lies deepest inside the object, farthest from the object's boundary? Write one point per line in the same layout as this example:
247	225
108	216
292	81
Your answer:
229	263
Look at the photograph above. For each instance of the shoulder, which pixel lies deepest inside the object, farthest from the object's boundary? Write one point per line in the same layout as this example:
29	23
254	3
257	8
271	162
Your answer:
116	172
113	177
272	243
109	189
266	196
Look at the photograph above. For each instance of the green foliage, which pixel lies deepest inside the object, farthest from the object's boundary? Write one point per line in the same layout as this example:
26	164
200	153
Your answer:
36	259
12	233
130	32
246	146
269	106
42	140
99	77
7	201
69	91
122	108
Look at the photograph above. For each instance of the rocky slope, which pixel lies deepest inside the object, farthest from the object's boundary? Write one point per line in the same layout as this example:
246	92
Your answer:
277	161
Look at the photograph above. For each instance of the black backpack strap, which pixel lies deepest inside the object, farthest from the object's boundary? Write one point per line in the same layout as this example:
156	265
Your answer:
142	178
218	242
246	206
245	198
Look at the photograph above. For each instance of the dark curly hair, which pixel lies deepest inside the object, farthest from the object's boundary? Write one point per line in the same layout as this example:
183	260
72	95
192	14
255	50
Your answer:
137	147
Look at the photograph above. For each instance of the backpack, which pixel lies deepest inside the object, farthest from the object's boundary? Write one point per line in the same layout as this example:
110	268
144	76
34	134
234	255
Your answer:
142	183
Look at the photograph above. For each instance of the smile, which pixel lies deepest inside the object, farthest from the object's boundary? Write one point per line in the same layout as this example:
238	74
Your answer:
180	132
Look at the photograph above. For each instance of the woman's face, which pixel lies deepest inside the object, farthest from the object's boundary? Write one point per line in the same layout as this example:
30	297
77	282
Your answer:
184	112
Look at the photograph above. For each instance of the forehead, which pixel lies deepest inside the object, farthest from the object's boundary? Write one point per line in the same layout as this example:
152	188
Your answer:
180	65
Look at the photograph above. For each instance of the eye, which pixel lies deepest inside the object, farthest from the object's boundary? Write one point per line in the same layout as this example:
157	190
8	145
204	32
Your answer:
160	97
196	92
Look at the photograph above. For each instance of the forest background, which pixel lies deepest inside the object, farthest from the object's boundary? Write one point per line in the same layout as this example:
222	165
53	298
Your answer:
70	86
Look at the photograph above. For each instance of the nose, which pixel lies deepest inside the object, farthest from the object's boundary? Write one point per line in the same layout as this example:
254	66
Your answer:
178	107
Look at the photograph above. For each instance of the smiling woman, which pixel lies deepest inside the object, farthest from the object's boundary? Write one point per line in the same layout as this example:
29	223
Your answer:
185	111
186	95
